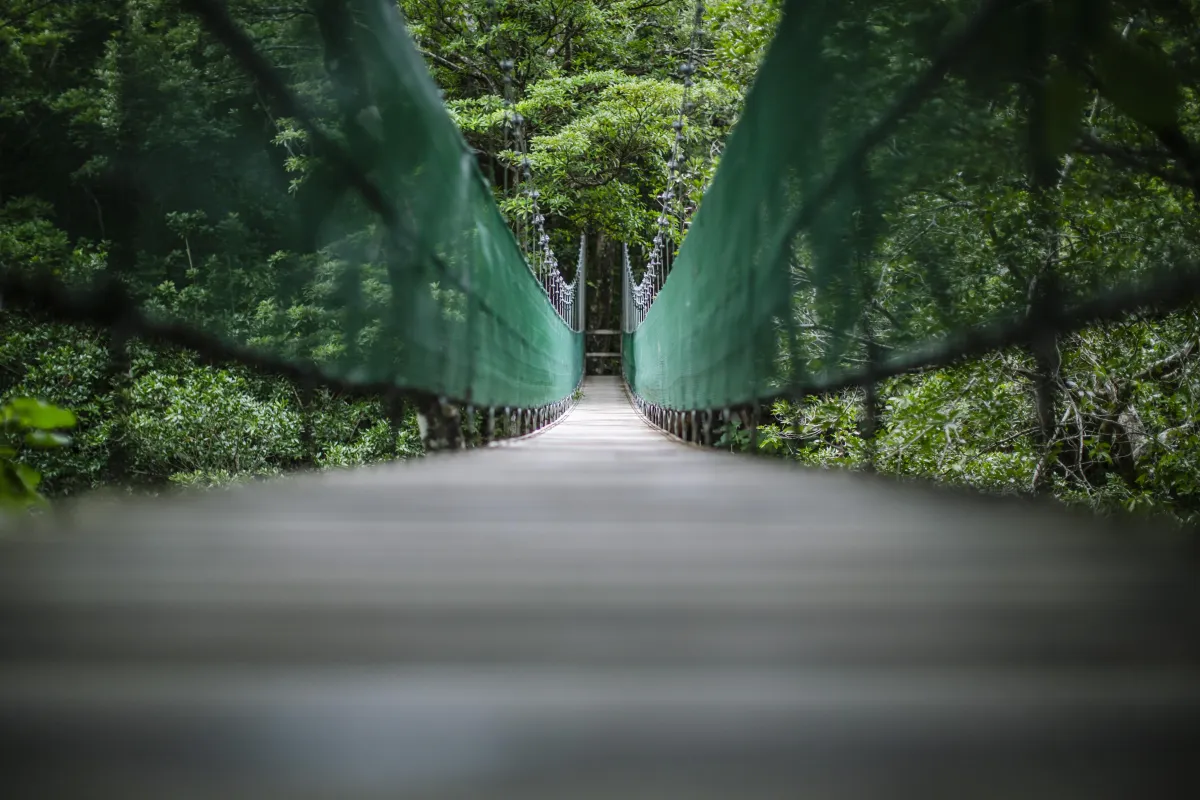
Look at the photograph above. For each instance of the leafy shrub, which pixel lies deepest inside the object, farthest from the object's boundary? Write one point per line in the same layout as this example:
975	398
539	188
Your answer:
65	366
219	478
210	421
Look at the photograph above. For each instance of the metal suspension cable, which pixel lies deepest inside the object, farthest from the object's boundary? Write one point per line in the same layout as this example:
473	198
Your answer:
640	294
540	256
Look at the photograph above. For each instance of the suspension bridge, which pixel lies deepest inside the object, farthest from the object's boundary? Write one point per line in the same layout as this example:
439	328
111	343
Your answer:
597	602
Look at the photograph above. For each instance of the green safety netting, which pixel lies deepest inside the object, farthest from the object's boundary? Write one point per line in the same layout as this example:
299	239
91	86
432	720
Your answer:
818	257
420	286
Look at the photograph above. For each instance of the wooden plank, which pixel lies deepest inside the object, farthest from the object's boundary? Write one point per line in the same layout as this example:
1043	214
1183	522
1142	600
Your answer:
596	611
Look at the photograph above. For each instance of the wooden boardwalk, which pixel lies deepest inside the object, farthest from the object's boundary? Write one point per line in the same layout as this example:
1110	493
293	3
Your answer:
595	611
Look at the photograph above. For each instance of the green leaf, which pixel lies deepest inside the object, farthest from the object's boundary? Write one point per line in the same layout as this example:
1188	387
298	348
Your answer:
33	413
18	486
46	440
29	476
1138	81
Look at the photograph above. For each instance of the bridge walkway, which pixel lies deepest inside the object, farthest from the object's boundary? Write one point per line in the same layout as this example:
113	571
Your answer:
595	611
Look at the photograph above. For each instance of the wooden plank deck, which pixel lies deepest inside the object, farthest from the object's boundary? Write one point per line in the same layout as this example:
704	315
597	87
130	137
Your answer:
595	611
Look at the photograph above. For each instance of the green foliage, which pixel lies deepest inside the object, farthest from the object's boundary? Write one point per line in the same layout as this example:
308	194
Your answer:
212	420
733	435
65	366
217	478
30	239
26	423
598	94
170	421
740	32
1128	438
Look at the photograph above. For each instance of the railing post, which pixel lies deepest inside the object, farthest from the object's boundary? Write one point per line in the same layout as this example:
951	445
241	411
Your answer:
119	380
1044	348
440	424
393	407
871	405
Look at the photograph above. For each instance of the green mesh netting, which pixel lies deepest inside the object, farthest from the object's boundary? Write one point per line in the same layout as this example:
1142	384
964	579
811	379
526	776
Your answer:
434	294
712	337
896	181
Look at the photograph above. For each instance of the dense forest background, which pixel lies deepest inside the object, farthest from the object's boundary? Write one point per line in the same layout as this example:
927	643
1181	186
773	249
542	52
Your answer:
93	88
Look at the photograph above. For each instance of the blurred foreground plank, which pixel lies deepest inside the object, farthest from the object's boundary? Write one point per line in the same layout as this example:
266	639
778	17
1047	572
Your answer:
595	612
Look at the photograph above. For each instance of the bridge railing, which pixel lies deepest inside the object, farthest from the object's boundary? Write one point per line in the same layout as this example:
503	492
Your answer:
827	254
329	224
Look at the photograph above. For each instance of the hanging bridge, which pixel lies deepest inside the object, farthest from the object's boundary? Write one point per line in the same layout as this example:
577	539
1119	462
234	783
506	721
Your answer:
595	600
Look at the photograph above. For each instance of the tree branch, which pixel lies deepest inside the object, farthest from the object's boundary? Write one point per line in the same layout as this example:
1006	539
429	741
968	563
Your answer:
1138	160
